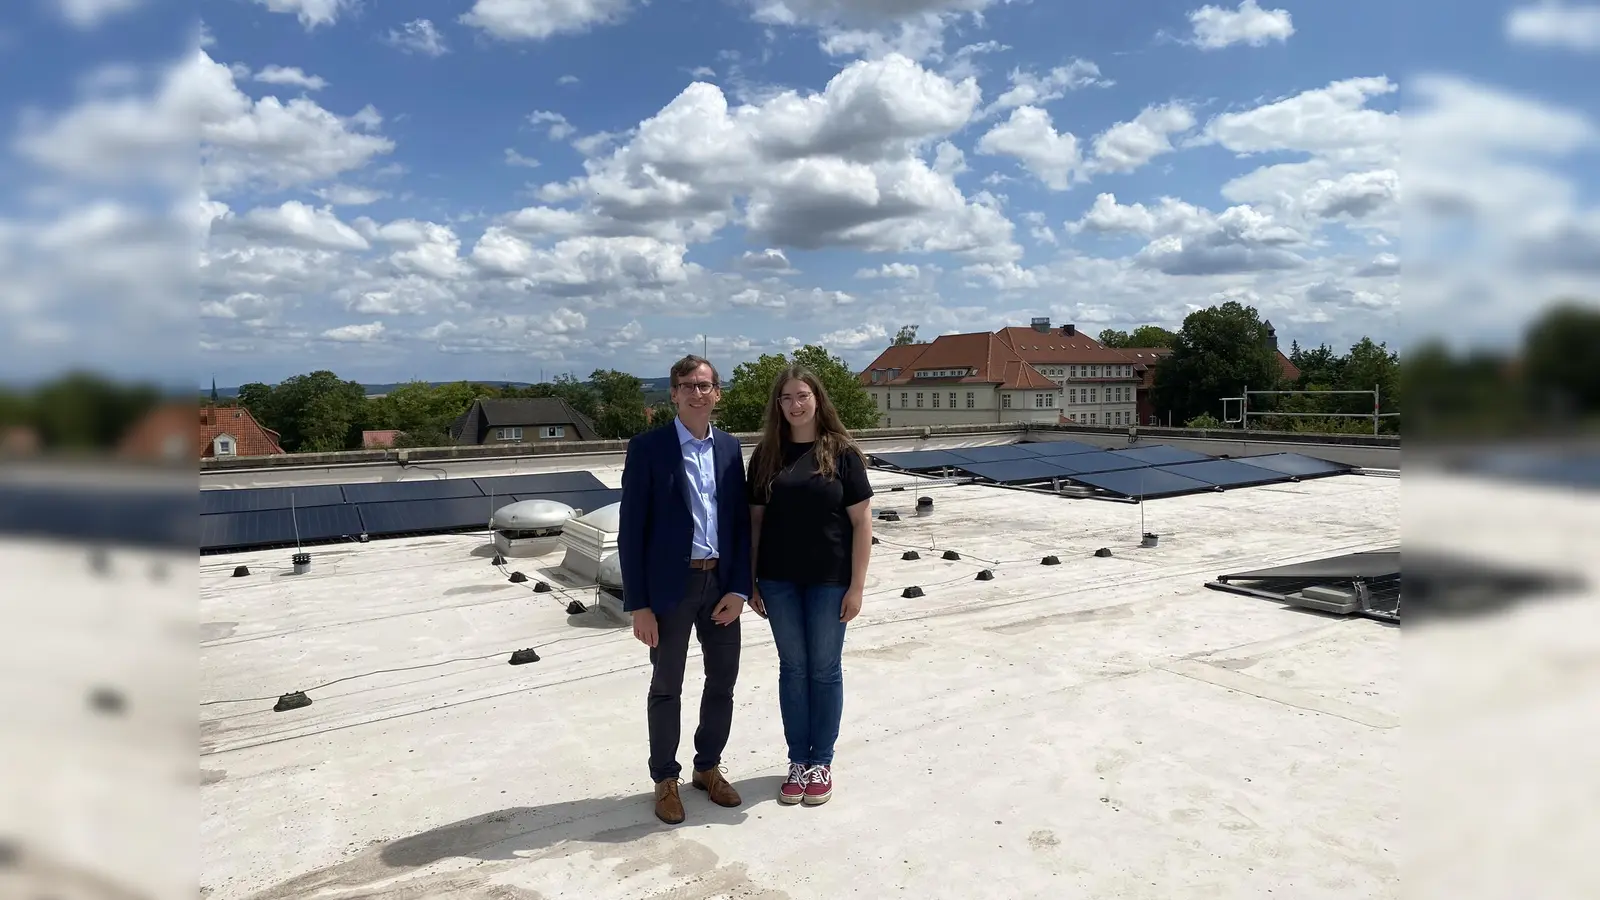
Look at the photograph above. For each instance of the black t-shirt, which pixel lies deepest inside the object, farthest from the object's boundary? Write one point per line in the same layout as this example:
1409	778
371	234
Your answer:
806	532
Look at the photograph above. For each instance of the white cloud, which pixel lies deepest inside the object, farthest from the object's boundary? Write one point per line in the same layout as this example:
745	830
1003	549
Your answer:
1127	146
560	129
311	13
358	334
87	14
1216	27
1028	89
771	259
835	168
297	224
349	195
1188	240
1028	135
891	270
1552	23
242	141
418	36
537	20
1057	159
291	76
513	158
567	80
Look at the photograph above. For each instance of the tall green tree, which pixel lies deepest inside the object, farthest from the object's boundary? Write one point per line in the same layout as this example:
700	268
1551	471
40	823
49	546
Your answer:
1218	352
1143	336
744	399
1561	362
906	335
315	412
1150	336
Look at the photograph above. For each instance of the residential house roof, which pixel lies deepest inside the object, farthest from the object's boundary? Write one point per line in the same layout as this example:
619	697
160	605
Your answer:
251	438
379	438
990	360
165	433
1055	347
486	413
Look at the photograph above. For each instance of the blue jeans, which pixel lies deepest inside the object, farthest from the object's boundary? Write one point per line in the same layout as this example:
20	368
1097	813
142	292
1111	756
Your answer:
810	638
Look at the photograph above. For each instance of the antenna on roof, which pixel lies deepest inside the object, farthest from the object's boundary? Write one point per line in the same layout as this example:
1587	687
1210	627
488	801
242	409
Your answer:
295	517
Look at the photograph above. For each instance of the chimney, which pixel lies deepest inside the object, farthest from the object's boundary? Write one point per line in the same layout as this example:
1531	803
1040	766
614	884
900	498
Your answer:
1069	330
1041	324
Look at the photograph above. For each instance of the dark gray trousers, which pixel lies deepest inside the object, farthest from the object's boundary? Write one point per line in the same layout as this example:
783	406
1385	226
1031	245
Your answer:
719	647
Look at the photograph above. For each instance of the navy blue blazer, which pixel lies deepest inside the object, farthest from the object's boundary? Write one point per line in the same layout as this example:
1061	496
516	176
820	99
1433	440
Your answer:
657	528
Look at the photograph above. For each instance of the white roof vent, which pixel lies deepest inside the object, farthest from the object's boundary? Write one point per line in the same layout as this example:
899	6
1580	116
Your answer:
528	515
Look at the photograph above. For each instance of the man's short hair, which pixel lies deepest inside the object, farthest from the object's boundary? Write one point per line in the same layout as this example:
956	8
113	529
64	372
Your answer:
685	367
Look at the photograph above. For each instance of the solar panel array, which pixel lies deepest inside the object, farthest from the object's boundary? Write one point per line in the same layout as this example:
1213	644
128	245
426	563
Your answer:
1144	472
282	516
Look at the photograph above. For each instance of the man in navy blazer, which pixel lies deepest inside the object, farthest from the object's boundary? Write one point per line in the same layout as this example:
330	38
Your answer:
685	549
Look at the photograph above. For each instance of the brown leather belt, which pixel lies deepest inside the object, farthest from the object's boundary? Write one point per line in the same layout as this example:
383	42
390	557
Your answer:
703	564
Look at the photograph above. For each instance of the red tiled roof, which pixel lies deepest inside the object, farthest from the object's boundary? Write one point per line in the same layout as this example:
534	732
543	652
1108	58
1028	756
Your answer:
251	437
1058	349
165	433
1290	370
380	438
991	360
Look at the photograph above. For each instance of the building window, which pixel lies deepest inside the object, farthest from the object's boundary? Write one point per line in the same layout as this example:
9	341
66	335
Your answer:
550	432
1005	401
225	445
1072	396
508	434
935	399
904	402
971	400
1094	418
952	399
919	399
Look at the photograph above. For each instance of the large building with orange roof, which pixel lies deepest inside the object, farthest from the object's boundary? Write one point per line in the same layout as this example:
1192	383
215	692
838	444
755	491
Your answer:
959	378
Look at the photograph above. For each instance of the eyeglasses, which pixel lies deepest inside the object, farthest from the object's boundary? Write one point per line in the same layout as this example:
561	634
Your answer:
792	399
697	387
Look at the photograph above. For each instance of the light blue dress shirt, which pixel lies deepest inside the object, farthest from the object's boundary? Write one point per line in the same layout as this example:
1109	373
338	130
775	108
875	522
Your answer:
699	467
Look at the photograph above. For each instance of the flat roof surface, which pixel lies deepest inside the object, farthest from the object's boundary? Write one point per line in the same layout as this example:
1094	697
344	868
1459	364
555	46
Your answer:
1105	727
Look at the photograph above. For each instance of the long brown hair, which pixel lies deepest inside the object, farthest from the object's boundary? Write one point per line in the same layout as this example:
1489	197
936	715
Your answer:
833	440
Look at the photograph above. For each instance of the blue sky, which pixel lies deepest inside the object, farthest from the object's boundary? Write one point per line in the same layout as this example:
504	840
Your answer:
503	188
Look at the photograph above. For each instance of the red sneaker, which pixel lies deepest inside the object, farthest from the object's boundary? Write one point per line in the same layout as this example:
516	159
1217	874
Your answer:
795	787
819	785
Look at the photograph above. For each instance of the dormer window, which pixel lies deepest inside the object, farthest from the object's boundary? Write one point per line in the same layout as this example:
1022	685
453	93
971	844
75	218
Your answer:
224	445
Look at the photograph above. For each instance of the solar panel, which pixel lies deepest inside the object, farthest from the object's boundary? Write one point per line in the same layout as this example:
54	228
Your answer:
1097	461
1016	471
395	491
1059	448
443	514
144	517
539	483
584	501
1227	473
1146	484
1297	465
248	499
997	454
916	460
1160	454
266	527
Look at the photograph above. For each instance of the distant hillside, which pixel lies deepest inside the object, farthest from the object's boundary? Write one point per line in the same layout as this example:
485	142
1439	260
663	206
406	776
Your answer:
652	386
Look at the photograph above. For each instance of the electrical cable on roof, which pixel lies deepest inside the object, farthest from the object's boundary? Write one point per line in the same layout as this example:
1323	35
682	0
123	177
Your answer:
444	662
923	613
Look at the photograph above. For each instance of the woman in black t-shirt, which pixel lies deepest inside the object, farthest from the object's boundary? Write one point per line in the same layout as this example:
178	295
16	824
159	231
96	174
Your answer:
811	529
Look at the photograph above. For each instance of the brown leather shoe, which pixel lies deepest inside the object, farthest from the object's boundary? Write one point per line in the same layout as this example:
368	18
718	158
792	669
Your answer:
669	806
716	787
